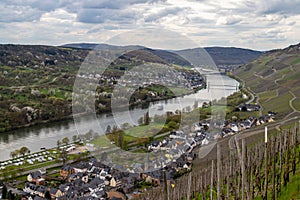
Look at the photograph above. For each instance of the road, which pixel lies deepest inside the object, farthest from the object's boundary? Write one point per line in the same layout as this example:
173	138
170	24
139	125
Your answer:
252	96
292	106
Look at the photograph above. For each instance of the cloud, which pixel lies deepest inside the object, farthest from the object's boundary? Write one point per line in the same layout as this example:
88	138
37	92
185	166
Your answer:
18	13
228	20
162	13
103	15
289	7
42	5
108	4
58	16
154	38
219	22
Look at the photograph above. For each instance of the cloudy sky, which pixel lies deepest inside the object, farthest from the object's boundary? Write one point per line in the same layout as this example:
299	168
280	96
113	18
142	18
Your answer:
256	24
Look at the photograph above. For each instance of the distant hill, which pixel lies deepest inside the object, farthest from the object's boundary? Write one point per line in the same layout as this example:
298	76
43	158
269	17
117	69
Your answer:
275	78
232	55
220	55
226	55
167	56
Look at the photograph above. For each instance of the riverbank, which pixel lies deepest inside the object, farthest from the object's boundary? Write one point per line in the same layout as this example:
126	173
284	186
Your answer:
49	133
143	103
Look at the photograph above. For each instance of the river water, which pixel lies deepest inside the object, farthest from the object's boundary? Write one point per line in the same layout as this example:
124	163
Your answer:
46	135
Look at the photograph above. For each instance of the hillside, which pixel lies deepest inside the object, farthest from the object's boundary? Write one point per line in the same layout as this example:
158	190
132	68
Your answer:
220	55
168	56
226	55
231	55
274	77
36	82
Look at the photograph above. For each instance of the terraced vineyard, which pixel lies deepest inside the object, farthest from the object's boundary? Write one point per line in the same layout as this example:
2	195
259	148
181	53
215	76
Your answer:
274	77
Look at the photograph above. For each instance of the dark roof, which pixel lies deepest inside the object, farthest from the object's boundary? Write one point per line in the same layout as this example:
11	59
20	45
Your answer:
97	181
155	143
81	165
36	174
31	186
38	198
67	168
41	189
53	190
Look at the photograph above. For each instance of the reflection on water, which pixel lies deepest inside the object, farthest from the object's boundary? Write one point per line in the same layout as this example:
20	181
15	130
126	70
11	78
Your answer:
46	135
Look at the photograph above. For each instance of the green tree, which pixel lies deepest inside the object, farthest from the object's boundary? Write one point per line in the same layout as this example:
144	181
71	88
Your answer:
205	105
147	119
108	129
64	156
74	138
10	195
14	153
141	120
58	143
120	139
173	125
24	150
125	126
65	140
4	192
114	129
89	135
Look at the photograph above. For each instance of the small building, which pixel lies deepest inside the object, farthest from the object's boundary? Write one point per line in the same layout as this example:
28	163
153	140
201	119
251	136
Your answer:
66	171
36	177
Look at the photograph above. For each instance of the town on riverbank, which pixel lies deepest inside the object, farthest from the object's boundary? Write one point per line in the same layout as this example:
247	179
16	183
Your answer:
77	170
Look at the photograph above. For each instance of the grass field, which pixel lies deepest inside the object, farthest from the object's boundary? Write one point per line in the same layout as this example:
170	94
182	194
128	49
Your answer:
144	131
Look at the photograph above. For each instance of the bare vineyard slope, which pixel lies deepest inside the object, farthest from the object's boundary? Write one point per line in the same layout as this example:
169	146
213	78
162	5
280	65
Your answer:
275	78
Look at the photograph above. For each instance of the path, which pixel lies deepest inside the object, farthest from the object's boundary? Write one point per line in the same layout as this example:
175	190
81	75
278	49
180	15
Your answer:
292	106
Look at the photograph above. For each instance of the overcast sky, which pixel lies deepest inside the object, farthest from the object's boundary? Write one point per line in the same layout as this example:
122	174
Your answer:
256	24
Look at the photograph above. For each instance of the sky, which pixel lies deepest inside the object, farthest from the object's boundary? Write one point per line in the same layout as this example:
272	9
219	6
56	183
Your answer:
255	24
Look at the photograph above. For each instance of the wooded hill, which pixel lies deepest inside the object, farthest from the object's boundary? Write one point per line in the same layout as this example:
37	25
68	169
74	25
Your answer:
36	81
220	55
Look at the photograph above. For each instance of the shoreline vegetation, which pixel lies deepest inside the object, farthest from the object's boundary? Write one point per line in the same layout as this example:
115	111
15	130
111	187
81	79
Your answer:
37	81
71	116
161	125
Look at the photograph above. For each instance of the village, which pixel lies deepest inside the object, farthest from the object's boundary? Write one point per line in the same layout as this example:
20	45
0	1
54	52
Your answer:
92	179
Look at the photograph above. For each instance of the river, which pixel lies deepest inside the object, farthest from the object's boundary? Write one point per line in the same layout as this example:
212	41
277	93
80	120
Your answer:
46	135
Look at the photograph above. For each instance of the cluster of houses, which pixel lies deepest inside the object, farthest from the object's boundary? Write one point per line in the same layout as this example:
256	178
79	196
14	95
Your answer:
179	142
94	180
231	128
227	68
152	76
